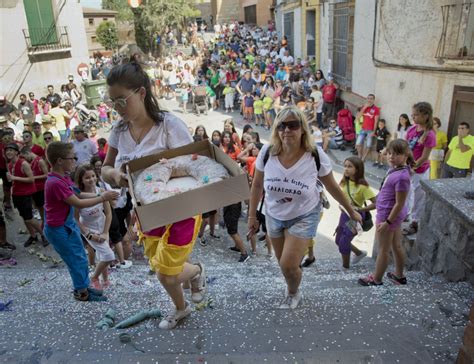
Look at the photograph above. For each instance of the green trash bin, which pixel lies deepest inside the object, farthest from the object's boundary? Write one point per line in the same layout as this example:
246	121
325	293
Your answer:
94	92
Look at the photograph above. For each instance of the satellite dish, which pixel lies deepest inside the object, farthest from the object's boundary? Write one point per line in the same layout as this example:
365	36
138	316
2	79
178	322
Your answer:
134	3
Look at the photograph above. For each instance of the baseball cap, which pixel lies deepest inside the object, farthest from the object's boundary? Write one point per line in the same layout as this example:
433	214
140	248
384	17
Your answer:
3	119
13	146
79	129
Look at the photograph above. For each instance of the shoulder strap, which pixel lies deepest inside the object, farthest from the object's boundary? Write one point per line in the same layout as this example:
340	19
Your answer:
316	158
267	155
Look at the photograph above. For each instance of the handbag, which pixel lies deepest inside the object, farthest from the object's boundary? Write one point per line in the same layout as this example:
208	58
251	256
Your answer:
367	222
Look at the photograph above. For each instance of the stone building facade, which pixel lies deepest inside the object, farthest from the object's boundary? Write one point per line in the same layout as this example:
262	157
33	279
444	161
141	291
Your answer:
377	46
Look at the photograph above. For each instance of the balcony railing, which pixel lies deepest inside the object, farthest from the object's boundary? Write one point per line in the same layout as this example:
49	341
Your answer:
47	40
457	36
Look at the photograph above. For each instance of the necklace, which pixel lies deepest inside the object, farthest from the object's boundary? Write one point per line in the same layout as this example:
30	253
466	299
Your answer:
140	137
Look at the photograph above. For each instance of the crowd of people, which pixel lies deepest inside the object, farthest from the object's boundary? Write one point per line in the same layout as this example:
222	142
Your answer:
90	222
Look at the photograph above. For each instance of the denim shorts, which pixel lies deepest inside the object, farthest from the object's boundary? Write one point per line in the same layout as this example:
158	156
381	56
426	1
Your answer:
365	133
303	227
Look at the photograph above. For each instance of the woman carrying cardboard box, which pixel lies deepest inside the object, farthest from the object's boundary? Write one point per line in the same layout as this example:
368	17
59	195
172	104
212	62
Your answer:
144	130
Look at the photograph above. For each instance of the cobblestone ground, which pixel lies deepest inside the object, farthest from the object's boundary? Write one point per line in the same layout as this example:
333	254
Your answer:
338	321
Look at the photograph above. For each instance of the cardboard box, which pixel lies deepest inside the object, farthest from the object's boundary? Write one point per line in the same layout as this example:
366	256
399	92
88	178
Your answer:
187	204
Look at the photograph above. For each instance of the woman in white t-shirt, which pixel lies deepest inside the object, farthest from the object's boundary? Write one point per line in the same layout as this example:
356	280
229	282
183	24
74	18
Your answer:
143	130
292	200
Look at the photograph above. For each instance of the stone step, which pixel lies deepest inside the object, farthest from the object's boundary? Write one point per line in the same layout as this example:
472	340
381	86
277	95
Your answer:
299	332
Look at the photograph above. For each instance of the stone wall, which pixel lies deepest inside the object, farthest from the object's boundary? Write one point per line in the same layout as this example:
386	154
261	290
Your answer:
445	241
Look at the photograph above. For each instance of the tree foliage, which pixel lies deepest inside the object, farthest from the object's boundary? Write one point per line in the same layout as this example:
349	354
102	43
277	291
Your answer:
153	17
121	6
107	35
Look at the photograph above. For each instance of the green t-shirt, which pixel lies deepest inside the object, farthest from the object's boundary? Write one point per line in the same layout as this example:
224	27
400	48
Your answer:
250	58
458	159
258	107
358	125
210	92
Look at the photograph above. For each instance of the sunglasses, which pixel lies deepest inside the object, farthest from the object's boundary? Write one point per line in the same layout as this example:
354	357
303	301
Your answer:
292	125
47	138
120	102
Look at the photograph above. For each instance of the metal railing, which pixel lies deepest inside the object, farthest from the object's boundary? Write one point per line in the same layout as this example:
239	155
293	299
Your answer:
54	38
457	40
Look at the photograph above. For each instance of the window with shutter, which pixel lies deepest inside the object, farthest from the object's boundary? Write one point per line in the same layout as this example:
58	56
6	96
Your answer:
41	22
343	35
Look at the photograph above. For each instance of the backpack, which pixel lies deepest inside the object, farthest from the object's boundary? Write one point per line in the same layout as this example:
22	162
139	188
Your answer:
265	160
345	123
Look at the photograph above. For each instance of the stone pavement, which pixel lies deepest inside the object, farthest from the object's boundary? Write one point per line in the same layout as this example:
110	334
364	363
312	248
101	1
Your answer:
338	321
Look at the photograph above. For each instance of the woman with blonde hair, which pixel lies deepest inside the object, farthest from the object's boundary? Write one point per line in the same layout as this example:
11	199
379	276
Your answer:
288	169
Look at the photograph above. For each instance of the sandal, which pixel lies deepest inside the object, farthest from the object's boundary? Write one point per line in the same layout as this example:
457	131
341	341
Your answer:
7	245
369	281
411	229
395	279
308	261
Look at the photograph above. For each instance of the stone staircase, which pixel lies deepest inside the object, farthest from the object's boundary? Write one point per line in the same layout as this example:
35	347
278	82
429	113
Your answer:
338	321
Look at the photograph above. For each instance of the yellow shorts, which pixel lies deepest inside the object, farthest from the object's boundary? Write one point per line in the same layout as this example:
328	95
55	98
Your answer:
168	253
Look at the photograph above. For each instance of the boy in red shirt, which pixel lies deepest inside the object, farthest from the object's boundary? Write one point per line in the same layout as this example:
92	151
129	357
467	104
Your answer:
329	97
23	189
371	114
60	227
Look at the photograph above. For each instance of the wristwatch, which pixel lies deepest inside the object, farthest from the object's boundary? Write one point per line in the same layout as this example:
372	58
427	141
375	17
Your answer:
388	221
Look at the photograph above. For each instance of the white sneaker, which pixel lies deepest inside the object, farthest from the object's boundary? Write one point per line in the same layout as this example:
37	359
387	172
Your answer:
291	302
125	265
170	321
199	285
357	258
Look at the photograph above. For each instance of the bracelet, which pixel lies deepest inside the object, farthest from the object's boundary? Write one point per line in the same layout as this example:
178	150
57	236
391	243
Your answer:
388	221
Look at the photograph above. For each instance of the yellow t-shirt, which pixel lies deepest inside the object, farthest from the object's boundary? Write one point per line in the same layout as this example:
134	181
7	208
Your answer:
267	103
258	107
58	114
359	193
458	159
441	139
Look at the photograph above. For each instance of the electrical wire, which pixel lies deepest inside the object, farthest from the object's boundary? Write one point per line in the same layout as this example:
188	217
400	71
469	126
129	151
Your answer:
379	63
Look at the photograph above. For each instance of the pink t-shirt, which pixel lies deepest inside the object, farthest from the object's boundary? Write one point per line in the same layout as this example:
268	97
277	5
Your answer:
396	180
56	190
413	137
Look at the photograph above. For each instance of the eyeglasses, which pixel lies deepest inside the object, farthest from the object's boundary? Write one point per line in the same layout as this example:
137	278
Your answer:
292	125
120	102
47	138
75	158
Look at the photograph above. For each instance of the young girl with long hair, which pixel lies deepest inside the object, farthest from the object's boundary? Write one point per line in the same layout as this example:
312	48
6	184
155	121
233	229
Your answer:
391	211
402	127
357	190
421	139
94	223
229	126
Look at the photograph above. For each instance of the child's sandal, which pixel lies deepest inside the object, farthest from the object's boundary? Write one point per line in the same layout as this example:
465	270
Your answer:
395	279
369	281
